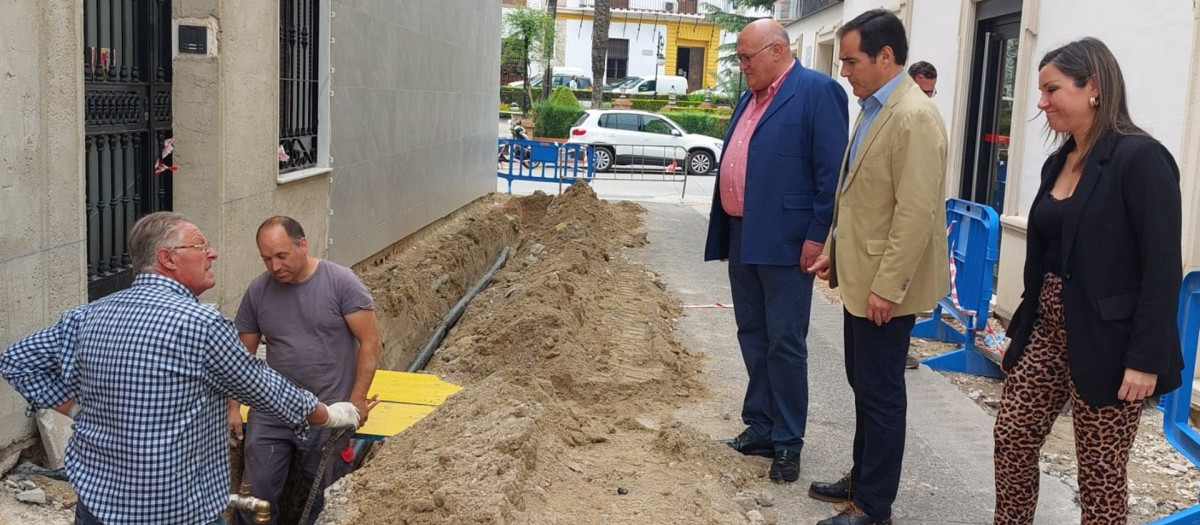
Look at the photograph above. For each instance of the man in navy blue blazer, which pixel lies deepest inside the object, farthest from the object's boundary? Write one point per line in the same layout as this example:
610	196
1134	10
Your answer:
771	211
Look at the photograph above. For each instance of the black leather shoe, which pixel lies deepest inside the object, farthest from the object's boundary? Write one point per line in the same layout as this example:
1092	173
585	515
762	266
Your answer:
786	467
744	444
852	515
839	491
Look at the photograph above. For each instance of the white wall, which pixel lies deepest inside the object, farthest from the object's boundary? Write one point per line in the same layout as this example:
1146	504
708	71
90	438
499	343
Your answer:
932	37
806	30
1156	68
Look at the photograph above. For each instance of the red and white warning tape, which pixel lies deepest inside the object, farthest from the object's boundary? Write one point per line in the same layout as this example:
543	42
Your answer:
159	165
716	304
991	340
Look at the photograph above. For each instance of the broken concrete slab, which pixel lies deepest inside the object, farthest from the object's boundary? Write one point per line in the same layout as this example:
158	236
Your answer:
55	430
35	496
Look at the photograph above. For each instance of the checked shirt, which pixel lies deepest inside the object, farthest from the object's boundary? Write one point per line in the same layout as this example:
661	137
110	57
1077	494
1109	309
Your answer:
152	369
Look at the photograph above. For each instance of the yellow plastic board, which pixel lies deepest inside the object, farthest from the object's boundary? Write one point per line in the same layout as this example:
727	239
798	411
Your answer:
404	398
389	419
405	387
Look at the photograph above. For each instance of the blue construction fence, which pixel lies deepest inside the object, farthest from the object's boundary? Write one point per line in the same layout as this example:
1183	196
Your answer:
973	234
1176	405
543	161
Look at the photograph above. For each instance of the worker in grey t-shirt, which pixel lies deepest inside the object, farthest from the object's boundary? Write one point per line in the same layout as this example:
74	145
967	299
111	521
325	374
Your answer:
319	323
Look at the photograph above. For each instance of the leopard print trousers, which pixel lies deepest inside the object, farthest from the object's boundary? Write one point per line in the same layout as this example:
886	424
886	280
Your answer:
1035	391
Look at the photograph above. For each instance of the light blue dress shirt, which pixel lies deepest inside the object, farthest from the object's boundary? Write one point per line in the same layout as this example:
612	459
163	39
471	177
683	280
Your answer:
870	109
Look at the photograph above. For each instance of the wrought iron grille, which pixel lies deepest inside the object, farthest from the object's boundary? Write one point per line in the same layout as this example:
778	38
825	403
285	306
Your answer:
298	84
127	120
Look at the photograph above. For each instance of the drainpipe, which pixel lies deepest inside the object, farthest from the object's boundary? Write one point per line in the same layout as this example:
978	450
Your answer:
452	317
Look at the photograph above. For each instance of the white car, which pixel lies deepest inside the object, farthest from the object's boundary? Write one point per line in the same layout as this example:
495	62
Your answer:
639	138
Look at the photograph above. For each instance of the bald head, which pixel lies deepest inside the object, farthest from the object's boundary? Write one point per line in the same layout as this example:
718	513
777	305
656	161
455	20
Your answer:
763	53
766	30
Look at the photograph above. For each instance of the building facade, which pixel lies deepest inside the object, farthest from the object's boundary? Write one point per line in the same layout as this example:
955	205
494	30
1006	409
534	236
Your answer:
364	121
646	38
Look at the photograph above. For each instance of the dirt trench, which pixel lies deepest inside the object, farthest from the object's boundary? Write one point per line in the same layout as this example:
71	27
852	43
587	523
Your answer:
571	374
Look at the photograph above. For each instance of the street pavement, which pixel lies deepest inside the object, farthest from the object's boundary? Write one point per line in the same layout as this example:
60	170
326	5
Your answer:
947	476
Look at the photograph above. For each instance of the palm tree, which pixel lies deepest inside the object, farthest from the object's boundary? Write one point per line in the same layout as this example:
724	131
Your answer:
600	22
548	48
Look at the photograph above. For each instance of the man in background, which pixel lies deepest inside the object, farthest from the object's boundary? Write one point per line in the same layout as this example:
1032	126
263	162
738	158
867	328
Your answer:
925	75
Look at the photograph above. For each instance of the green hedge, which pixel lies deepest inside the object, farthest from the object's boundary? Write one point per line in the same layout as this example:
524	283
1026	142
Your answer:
647	104
516	94
717	112
700	122
657	104
562	96
554	121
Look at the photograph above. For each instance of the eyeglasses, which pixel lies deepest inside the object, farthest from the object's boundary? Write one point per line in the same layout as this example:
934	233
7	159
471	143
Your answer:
745	59
204	247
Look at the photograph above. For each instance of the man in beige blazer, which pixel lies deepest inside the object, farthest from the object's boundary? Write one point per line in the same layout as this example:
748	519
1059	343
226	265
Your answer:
886	254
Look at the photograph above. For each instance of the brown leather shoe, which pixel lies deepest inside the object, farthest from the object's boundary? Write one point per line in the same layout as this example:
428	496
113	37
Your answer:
911	362
852	515
840	491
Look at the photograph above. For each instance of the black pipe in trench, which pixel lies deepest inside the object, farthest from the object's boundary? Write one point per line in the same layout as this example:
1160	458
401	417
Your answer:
443	327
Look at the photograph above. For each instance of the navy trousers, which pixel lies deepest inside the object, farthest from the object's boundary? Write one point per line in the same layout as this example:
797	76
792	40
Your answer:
875	368
771	305
270	447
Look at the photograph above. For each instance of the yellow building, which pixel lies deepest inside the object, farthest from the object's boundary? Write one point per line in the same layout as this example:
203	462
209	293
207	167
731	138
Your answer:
647	38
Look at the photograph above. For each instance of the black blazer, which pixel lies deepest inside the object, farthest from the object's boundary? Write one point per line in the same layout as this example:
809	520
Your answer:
1122	268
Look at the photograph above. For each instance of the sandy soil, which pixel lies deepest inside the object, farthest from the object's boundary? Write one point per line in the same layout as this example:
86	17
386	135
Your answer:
58	507
571	373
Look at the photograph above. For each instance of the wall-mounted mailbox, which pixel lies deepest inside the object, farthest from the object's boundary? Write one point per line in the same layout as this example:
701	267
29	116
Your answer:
193	39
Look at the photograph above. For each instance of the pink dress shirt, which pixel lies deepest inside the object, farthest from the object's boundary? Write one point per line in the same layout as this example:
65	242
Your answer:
733	161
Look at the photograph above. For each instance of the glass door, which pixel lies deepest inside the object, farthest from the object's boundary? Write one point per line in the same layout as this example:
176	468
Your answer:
985	170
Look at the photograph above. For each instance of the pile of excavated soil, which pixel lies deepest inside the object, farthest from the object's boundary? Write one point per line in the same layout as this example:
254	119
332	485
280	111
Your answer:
571	374
417	280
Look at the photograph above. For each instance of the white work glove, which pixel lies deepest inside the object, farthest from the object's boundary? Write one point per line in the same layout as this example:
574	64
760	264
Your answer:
342	415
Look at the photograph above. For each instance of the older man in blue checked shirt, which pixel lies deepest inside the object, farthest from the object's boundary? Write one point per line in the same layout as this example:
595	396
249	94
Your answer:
146	373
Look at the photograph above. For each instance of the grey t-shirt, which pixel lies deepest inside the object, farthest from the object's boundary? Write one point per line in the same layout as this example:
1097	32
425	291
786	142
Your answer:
308	340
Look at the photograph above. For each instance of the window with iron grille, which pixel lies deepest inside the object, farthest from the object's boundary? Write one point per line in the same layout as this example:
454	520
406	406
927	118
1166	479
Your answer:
616	66
299	86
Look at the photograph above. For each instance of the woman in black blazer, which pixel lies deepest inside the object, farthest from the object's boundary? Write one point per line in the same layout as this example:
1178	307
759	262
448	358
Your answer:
1096	325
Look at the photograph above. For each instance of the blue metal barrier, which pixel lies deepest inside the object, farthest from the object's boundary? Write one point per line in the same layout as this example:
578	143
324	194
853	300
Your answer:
974	248
1176	405
539	161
